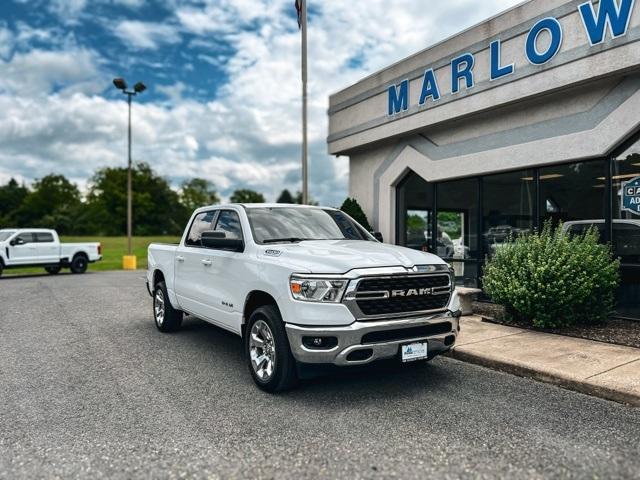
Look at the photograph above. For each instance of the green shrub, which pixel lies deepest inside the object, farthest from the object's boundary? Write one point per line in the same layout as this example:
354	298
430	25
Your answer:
552	279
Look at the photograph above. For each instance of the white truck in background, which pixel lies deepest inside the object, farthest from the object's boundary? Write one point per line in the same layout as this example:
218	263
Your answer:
305	287
39	247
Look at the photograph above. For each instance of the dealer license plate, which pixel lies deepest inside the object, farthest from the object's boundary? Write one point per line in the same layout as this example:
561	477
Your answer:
414	351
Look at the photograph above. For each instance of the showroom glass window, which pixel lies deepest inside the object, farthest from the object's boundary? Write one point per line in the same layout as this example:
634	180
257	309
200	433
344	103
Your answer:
508	207
457	227
415	209
574	192
625	228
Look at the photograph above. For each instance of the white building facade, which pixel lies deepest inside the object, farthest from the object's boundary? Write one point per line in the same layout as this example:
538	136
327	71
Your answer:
531	116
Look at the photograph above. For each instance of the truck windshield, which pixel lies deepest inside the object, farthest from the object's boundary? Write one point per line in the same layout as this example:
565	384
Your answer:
4	234
289	225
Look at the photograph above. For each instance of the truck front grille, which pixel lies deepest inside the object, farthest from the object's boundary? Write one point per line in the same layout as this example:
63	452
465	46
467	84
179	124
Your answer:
403	294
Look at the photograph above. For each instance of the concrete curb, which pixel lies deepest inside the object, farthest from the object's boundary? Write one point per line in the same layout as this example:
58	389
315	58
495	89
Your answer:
582	386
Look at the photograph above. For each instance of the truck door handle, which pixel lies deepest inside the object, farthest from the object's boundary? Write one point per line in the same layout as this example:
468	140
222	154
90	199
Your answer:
207	263
180	258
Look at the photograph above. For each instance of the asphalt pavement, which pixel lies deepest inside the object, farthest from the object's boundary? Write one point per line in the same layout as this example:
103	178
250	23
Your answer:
90	389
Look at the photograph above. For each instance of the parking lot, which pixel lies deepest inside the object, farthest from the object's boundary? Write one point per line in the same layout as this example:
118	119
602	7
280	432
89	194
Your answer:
90	388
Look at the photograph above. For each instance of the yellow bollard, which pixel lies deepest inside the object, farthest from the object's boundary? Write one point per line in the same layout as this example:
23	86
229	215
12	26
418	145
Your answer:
129	262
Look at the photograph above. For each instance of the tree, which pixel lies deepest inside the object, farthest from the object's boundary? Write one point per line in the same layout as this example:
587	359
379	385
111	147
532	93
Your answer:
285	197
198	192
246	195
11	197
352	208
53	202
298	199
156	207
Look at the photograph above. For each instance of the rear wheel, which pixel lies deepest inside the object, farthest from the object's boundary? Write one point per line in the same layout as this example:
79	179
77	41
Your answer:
79	264
269	358
1	267
53	270
167	318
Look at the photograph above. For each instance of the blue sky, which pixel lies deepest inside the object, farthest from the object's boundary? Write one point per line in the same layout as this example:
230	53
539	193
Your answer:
223	76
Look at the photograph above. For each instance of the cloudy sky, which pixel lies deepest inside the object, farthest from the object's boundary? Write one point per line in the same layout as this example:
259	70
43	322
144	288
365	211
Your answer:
223	76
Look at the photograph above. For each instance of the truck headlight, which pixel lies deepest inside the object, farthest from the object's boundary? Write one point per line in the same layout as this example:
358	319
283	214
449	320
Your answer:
317	289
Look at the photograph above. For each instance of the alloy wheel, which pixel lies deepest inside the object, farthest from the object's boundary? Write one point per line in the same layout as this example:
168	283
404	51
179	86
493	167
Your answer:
158	306
262	350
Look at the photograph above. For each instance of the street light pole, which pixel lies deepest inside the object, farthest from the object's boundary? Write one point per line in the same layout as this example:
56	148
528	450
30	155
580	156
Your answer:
129	262
129	189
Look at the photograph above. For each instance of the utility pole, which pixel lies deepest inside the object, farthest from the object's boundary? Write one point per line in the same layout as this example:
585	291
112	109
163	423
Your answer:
305	174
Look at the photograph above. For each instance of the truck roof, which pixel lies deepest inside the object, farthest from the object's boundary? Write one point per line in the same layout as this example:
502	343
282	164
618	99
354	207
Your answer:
27	229
266	205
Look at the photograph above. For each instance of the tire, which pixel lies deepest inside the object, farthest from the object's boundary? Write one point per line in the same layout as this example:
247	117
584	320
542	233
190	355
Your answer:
53	270
79	264
273	369
1	267
166	318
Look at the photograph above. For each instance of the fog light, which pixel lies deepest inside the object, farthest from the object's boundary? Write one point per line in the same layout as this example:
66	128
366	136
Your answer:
320	343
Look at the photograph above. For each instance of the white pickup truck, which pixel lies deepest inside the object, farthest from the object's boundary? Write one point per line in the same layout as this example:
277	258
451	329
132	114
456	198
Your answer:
305	287
38	247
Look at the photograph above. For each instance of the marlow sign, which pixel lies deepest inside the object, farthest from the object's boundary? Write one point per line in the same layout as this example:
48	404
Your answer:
612	15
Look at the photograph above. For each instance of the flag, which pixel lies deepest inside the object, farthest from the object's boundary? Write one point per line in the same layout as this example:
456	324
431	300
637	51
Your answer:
298	4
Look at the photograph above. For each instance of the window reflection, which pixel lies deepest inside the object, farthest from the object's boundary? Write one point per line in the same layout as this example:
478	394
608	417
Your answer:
508	207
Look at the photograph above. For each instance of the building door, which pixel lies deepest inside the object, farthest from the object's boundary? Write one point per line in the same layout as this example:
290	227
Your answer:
457	207
414	203
625	226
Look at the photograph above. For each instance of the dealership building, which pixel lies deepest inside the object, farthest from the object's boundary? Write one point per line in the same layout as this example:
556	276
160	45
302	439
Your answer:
530	116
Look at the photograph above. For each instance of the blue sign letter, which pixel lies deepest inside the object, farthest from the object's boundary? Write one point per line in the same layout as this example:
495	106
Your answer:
466	72
555	31
398	97
429	87
609	13
496	70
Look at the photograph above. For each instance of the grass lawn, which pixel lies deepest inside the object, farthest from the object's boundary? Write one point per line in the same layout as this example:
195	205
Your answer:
113	249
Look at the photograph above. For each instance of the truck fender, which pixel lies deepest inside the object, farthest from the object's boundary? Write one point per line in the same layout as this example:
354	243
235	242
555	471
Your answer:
159	276
254	300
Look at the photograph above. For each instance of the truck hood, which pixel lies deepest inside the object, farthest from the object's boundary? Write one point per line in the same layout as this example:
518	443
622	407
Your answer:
340	256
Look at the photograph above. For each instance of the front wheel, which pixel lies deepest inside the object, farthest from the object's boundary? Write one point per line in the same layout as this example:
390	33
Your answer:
167	318
53	270
269	358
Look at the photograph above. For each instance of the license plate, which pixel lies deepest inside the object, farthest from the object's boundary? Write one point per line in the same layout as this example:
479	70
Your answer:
414	351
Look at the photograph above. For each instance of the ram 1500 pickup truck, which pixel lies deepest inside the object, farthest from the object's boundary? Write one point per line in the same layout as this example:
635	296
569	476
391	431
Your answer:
38	247
304	287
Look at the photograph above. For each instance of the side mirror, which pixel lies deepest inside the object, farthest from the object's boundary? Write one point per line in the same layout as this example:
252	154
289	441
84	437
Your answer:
17	241
219	240
378	236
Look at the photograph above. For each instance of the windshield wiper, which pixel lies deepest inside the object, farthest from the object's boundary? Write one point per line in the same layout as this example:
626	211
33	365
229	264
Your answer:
283	240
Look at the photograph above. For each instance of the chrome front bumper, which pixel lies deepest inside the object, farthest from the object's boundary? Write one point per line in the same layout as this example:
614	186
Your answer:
349	339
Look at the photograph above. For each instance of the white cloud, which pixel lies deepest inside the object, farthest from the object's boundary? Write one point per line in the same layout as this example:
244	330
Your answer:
7	42
67	10
146	35
40	72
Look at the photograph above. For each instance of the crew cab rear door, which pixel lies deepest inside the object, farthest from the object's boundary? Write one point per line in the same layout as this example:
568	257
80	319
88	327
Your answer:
47	248
190	275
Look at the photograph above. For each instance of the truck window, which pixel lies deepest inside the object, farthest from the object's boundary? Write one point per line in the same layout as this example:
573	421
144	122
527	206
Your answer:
26	237
626	239
202	223
43	237
229	223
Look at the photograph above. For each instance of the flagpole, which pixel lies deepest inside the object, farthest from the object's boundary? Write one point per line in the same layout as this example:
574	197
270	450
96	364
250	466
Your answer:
305	186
